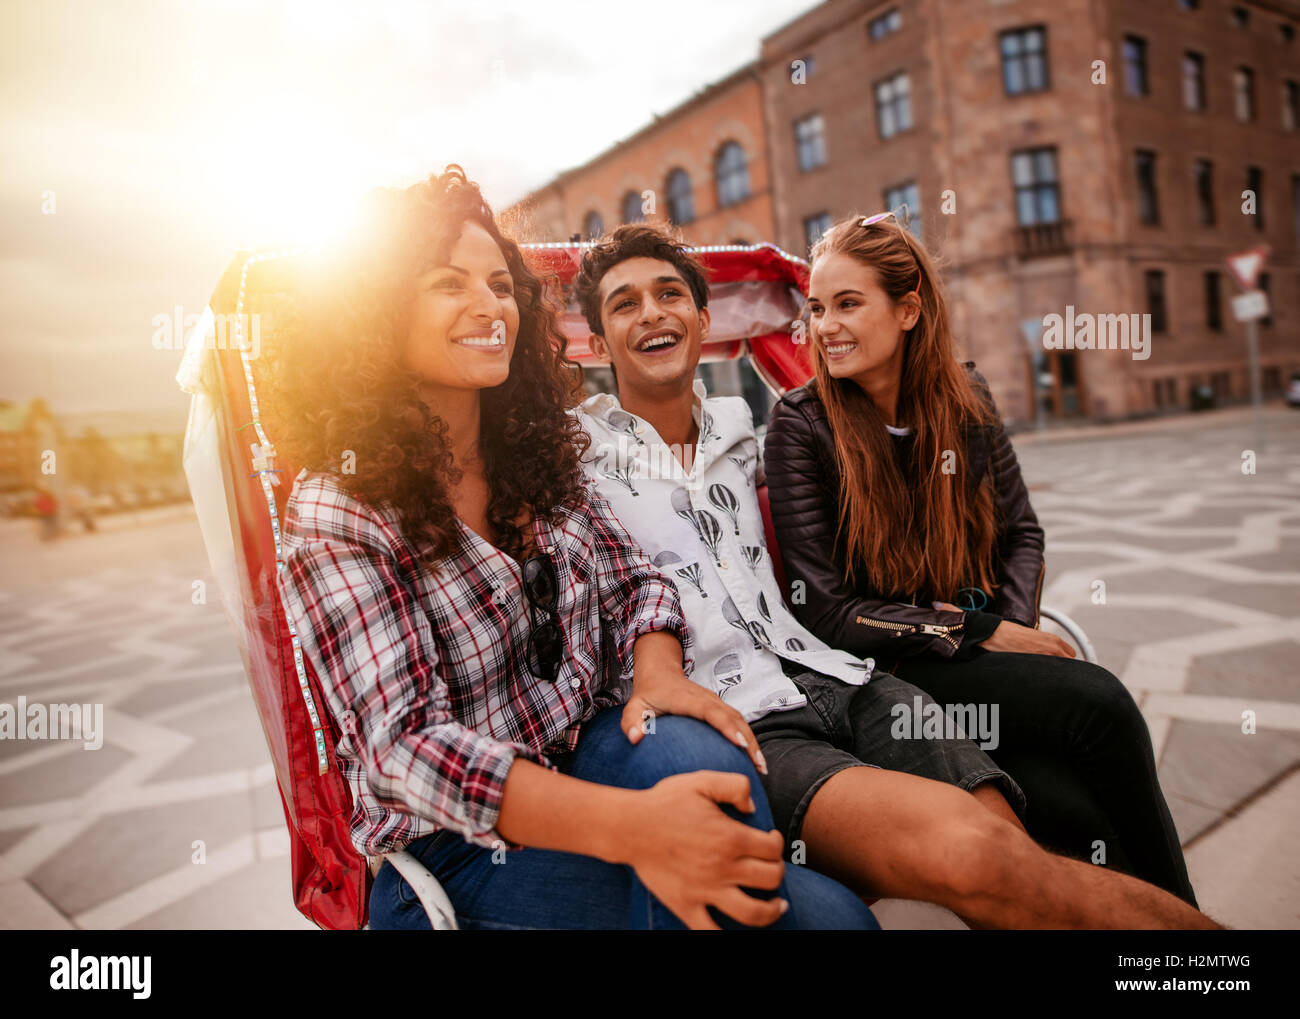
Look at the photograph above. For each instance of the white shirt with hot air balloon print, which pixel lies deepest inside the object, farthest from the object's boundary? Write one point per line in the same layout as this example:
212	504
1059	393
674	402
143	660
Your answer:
704	531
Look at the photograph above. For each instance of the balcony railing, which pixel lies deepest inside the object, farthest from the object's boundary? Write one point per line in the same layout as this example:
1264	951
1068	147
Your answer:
1043	239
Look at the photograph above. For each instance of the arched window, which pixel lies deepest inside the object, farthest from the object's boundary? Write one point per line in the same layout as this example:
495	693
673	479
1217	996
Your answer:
592	225
731	171
681	202
631	207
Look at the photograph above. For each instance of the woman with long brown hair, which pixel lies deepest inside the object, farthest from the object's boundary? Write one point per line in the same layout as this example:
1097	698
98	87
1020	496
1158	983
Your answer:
896	494
491	642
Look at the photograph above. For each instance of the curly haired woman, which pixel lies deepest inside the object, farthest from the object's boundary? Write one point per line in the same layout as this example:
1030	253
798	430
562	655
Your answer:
497	644
895	493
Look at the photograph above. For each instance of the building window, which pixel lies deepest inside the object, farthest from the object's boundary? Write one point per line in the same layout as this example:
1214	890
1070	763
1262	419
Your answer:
1240	17
1155	289
681	201
1033	172
1024	60
631	206
1255	185
731	171
893	105
1295	202
810	141
885	24
1193	81
1243	93
1290	104
815	226
1205	191
1135	65
906	196
1148	199
1264	283
592	225
1214	301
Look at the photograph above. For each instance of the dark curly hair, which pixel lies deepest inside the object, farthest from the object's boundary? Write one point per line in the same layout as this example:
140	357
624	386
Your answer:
337	381
637	240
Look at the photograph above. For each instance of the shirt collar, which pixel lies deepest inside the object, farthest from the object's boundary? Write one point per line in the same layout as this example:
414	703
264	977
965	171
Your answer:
602	403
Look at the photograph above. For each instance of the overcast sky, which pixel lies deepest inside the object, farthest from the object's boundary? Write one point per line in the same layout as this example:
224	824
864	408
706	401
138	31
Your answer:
172	133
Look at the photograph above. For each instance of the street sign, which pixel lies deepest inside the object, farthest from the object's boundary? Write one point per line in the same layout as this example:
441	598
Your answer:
1251	305
1245	265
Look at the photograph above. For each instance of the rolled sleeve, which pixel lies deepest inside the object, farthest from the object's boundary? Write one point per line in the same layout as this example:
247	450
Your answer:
363	630
634	595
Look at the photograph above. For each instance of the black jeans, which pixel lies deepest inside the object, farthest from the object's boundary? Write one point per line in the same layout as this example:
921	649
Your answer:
1075	742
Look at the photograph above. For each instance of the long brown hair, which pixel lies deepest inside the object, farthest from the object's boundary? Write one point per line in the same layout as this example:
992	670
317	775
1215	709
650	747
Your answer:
339	383
931	535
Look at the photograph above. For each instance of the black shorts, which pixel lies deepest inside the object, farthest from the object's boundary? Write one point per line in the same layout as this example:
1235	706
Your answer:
846	726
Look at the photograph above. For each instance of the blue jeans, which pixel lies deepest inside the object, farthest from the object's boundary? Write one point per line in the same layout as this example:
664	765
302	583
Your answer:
544	889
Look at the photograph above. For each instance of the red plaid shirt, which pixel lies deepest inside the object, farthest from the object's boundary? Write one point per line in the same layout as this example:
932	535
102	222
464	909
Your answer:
427	672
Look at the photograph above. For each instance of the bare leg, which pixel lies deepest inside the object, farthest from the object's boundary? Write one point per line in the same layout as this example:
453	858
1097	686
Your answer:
991	796
890	834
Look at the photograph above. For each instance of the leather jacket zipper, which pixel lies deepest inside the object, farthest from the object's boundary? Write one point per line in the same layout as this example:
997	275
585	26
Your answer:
882	625
930	629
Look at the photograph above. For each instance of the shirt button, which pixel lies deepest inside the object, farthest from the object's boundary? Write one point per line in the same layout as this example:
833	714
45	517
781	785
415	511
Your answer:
575	683
724	564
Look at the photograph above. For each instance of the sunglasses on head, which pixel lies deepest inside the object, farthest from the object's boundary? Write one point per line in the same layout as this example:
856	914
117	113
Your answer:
542	588
873	220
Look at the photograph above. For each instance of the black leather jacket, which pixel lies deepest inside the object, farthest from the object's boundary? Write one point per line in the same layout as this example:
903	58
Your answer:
803	485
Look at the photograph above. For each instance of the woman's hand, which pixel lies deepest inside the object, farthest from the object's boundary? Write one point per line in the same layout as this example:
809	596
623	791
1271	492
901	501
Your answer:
1018	639
660	687
691	855
1013	637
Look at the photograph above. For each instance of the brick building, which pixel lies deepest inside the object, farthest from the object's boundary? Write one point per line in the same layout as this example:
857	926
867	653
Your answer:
702	166
1046	180
1055	154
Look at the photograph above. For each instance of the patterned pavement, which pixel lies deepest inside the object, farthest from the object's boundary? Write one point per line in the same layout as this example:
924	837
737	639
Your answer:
1200	563
176	822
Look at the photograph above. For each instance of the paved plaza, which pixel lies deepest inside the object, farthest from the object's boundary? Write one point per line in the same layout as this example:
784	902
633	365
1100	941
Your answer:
1184	571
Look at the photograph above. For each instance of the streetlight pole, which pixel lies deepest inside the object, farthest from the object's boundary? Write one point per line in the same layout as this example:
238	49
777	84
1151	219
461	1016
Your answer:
1256	396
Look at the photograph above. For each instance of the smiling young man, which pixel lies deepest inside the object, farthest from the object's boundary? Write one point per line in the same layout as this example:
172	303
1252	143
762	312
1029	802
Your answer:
925	819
